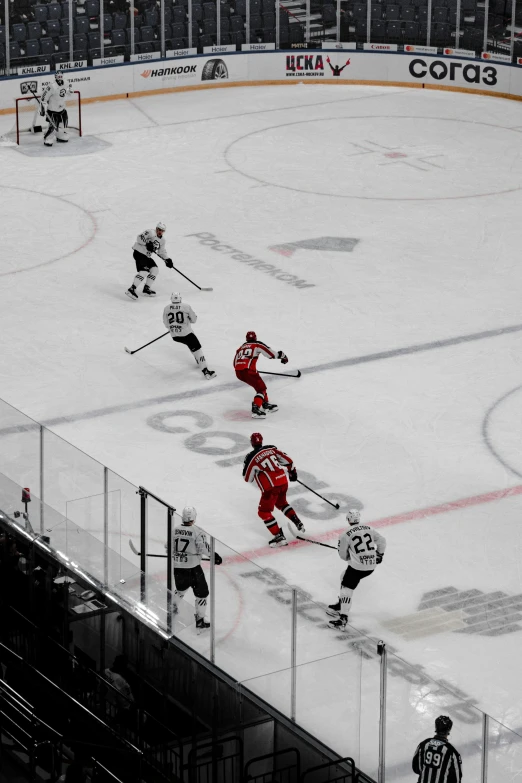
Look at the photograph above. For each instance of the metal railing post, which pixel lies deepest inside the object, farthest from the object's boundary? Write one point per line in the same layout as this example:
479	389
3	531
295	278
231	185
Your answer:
218	20
212	600
247	22
428	33
293	687
381	649
131	13
368	21
7	47
484	754
42	483
512	41
307	23
486	15
102	30
457	26
71	32
105	526
162	34
278	24
338	24
143	543
170	522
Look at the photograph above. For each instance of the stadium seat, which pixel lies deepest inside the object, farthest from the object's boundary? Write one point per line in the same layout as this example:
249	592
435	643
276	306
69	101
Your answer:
2	54
440	15
392	12
34	30
119	21
82	25
376	11
359	11
32	47
394	32
81	43
92	8
225	24
209	27
296	33
52	28
47	46
422	15
167	16
197	12
2	34
107	23
147	34
237	37
268	21
256	22
145	47
137	35
329	15
14	50
179	15
269	35
151	18
411	32
177	43
40	13
237	24
209	11
54	11
378	30
361	30
19	32
206	40
118	38
441	35
179	31
407	13
94	40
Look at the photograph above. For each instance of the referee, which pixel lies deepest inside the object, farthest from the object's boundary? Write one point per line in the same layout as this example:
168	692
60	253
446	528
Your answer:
436	760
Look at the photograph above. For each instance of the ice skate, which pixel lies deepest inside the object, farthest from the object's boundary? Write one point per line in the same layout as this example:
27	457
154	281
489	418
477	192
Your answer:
201	623
257	413
278	540
131	292
334	609
270	407
209	374
339	624
148	291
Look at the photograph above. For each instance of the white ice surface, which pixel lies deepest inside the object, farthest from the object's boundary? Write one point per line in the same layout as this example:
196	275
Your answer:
437	258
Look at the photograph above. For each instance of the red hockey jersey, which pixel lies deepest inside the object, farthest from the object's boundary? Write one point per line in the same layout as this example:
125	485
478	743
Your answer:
247	355
264	466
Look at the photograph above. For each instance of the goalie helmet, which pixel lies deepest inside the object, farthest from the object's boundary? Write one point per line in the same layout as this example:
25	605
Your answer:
59	77
256	439
161	227
443	724
188	515
251	337
175	298
353	517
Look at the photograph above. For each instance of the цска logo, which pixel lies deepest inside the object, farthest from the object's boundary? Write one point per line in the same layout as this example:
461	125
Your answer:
26	87
440	70
304	64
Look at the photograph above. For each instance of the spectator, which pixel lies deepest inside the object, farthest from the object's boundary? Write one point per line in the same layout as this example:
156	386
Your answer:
436	760
123	700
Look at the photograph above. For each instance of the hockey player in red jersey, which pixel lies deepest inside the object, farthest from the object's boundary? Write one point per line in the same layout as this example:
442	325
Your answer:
265	465
245	365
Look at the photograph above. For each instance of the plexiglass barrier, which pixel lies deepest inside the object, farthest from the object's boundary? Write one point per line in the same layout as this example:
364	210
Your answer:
270	636
88	31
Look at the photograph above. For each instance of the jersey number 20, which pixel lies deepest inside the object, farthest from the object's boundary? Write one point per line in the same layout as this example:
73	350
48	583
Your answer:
178	316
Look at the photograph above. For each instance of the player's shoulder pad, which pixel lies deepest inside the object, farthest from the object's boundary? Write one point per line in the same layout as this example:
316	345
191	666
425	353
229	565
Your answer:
248	458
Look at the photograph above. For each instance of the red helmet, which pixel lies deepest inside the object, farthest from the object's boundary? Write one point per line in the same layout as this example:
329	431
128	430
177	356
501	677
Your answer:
251	337
256	439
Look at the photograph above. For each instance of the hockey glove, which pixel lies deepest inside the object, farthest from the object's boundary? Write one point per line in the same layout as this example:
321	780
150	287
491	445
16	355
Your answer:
283	357
217	559
168	263
292	474
379	557
150	246
42	110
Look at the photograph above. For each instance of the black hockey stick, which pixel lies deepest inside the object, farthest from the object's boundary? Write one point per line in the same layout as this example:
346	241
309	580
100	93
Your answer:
144	346
191	281
319	543
335	505
135	551
46	115
283	374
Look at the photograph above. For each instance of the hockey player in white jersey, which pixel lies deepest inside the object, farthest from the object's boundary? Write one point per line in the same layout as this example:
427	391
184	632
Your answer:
148	242
52	106
189	547
179	317
363	548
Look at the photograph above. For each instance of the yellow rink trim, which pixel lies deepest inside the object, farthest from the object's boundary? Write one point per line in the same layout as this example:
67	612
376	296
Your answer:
266	82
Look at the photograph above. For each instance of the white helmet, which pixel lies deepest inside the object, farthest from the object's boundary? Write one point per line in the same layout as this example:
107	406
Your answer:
353	517
175	298
59	77
188	514
161	226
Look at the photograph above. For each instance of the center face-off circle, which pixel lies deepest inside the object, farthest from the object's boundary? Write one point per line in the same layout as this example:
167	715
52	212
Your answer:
432	158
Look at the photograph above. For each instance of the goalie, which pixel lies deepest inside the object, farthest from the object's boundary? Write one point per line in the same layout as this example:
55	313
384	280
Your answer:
53	108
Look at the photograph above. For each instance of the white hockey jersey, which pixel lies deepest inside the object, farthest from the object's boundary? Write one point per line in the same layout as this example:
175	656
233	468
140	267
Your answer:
149	235
55	96
360	545
178	318
189	545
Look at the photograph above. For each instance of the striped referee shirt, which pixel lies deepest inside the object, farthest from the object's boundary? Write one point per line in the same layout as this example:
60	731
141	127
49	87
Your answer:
437	761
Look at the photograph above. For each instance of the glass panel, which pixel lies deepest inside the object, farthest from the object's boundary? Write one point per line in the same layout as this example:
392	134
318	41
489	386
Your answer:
89	514
504	757
413	703
12	506
19	447
129	516
68	473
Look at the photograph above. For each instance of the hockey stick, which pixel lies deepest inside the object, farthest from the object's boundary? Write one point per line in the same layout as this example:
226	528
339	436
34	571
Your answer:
283	374
135	551
191	281
335	505
319	543
144	346
46	115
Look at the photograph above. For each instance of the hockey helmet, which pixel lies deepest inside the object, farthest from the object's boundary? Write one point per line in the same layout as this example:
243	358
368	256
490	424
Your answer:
443	724
256	439
353	516
188	514
251	337
161	227
59	77
175	298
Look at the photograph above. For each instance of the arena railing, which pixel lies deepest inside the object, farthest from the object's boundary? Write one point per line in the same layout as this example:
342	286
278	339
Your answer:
350	690
94	30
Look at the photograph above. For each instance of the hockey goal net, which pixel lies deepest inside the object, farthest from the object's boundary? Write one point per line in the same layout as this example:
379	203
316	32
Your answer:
28	118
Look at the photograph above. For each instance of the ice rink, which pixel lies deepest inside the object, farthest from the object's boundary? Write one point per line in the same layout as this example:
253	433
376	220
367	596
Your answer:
373	234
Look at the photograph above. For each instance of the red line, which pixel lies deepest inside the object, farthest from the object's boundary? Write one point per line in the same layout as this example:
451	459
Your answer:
406	516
